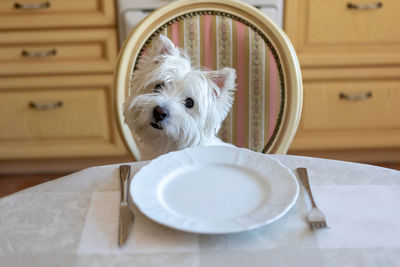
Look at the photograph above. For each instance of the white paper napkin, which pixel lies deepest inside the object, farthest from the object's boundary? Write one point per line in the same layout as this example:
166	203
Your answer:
360	216
100	233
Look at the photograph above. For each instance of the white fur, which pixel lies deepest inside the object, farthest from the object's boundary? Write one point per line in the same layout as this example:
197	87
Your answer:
212	92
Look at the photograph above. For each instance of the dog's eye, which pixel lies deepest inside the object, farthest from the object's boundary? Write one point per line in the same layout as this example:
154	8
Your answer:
189	103
158	87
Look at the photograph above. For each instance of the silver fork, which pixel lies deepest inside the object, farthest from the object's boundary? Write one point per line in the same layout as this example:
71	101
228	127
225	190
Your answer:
315	217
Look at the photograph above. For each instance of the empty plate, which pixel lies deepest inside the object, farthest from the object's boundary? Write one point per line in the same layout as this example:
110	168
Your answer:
214	190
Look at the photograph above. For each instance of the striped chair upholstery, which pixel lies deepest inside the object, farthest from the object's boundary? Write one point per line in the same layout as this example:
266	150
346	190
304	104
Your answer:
226	33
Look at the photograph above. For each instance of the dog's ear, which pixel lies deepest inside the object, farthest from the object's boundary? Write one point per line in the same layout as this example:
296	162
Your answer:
224	79
223	88
167	47
162	46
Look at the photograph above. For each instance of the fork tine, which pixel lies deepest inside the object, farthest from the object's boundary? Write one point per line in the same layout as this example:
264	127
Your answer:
320	224
317	225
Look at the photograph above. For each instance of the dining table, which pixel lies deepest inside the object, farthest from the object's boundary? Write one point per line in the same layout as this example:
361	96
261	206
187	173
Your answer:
74	220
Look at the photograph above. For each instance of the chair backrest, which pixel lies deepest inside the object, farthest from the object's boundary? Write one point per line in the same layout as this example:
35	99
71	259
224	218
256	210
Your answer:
227	33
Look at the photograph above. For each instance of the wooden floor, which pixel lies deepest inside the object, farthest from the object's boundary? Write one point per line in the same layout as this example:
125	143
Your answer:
13	183
395	166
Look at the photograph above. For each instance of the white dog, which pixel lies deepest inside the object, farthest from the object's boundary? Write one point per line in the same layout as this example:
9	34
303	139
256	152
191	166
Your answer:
172	105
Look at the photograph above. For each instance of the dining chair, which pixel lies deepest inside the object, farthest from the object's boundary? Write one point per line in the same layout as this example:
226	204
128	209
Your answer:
226	33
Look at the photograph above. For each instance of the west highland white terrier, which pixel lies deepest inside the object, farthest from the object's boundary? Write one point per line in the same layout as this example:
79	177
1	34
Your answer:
173	105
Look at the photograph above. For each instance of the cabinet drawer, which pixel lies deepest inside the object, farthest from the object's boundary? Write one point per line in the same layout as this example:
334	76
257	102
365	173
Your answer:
24	14
64	51
330	34
346	106
57	116
353	22
50	114
368	120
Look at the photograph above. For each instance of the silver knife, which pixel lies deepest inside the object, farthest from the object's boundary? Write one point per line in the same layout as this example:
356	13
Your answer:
125	214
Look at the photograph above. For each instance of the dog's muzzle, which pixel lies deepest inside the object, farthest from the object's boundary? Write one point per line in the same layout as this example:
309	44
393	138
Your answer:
159	114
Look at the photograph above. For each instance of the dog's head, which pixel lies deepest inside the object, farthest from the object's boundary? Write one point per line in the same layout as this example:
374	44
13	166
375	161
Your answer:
173	104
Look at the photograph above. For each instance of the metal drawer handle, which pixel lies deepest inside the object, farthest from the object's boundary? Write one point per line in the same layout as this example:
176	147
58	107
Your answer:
32	6
49	53
365	6
355	97
49	106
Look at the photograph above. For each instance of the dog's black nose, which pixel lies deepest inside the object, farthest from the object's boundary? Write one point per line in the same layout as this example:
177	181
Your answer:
159	113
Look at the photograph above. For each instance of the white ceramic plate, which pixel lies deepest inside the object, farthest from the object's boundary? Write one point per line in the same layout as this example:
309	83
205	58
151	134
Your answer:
214	190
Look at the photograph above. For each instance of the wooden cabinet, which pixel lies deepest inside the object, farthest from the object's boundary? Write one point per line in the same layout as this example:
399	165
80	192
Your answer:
58	52
24	14
61	116
350	58
56	72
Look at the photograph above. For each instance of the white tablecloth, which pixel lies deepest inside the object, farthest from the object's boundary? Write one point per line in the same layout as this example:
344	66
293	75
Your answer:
73	221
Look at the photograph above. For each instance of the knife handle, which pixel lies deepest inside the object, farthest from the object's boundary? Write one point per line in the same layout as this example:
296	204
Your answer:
125	171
